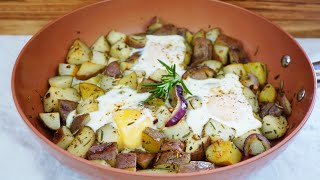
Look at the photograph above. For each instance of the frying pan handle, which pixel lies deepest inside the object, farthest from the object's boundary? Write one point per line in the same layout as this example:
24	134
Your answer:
316	66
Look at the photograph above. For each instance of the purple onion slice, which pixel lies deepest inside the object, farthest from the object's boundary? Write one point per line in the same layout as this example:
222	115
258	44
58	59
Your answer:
180	109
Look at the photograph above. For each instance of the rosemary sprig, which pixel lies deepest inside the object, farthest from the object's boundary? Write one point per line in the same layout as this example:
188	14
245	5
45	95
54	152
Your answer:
168	81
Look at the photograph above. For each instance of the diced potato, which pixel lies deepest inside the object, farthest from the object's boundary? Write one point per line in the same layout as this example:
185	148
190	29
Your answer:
136	41
274	127
67	69
101	45
106	151
189	37
201	33
152	140
213	34
250	81
94	80
220	52
170	159
87	106
217	131
252	99
157	75
115	36
173	145
284	102
255	144
239	141
155	24
50	101
223	153
61	81
78	53
179	131
258	69
195	166
108	133
51	120
237	69
101	162
194	102
213	64
107	83
88	70
158	171
144	159
129	80
162	114
82	142
187	55
196	148
65	107
120	51
99	58
78	122
63	137
268	94
127	161
141	88
113	69
89	90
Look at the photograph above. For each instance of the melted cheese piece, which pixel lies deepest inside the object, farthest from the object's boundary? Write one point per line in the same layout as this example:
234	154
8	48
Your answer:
223	101
169	49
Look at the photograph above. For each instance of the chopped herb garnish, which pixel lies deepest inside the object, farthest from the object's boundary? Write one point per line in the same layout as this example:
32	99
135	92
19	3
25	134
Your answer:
130	123
168	81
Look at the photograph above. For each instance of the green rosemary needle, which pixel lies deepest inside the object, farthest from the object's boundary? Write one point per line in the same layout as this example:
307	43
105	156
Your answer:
168	81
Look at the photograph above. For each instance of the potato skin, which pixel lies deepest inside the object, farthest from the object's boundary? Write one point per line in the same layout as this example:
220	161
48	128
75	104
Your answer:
144	159
152	140
65	107
173	145
78	122
106	151
223	153
113	69
169	159
62	137
202	51
200	73
82	142
126	161
195	166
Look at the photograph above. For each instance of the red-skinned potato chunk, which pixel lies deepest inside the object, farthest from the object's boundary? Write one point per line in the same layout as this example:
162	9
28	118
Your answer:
63	137
78	122
170	159
144	159
152	140
106	151
173	145
195	166
65	107
200	73
126	161
202	51
113	69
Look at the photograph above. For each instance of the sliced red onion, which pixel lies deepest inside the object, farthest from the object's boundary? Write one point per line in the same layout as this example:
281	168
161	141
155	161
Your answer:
180	109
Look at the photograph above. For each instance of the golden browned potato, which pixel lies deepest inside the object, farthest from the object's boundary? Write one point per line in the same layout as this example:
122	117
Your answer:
152	140
195	166
115	36
144	159
237	69
258	69
89	90
120	50
78	122
65	107
173	145
101	45
274	127
51	120
68	69
106	151
129	80
170	159
60	81
268	94
127	161
223	153
87	106
78	53
50	100
63	137
88	70
82	142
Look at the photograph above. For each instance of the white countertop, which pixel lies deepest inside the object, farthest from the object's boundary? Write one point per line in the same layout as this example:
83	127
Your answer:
22	157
